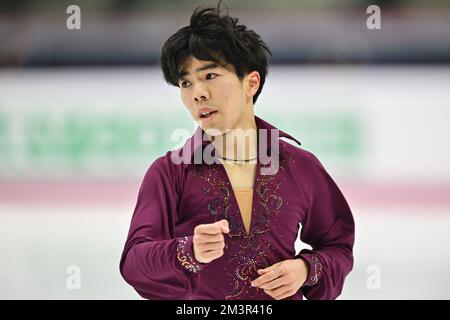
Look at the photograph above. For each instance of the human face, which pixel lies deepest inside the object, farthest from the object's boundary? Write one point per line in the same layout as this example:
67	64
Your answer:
207	86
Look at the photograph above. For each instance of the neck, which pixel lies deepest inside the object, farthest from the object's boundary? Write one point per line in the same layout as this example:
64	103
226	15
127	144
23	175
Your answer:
239	143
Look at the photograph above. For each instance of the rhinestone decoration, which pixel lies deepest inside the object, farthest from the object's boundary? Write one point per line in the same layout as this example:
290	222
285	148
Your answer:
251	251
185	259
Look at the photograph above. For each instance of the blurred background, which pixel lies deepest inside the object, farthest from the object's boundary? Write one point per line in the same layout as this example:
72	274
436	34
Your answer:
84	112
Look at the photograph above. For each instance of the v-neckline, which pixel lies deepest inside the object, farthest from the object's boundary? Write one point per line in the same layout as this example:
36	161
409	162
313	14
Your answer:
233	196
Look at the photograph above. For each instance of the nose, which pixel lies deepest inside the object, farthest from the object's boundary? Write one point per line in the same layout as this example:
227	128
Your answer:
200	93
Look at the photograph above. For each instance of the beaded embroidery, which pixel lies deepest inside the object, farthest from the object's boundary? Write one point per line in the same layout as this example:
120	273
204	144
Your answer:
317	266
186	260
251	251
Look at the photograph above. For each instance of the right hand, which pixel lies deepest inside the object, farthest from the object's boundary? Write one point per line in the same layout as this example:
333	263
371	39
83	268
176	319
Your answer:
208	241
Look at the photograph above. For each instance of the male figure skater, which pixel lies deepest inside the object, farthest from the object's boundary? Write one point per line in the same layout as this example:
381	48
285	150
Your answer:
218	218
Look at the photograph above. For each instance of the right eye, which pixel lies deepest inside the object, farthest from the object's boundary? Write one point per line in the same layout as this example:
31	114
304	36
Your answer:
185	84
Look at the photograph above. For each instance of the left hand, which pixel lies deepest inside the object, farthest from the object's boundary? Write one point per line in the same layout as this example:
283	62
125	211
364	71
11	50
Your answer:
292	273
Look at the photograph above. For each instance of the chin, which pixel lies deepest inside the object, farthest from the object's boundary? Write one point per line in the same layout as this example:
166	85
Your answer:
213	131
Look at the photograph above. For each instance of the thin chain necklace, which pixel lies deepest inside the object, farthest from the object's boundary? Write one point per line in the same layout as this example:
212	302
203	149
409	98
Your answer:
238	160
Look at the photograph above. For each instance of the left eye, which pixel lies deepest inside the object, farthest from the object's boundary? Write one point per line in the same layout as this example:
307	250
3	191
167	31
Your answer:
210	76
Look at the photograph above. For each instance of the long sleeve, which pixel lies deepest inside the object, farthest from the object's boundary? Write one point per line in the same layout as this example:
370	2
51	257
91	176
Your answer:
329	229
154	262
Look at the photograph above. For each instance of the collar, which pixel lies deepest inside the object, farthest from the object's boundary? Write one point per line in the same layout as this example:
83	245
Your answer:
197	143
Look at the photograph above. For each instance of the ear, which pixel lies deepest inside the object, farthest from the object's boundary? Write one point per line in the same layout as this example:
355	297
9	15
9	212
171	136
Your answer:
253	81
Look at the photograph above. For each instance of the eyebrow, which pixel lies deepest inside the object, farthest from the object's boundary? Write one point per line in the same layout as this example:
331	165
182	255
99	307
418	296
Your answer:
205	67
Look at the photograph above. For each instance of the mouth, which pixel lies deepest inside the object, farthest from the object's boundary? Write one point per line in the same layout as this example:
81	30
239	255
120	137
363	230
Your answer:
208	114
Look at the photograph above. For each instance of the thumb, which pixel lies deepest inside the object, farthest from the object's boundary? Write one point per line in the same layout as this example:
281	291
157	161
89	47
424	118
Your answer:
224	226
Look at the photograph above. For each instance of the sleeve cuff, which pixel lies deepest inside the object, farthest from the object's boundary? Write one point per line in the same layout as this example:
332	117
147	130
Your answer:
314	268
185	255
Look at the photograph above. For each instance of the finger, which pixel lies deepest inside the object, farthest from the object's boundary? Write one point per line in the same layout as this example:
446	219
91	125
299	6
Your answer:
212	255
271	268
285	295
208	238
278	291
216	227
211	228
211	246
268	276
261	272
278	282
224	226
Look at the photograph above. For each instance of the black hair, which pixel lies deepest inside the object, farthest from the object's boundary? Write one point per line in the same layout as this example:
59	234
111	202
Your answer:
216	37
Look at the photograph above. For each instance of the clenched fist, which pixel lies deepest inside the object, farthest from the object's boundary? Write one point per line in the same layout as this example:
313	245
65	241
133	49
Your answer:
208	241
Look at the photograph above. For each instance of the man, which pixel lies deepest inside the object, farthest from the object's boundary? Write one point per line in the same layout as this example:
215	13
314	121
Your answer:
224	227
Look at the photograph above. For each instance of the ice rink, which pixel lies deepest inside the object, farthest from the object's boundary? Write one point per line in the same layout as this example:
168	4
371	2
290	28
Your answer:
407	250
70	171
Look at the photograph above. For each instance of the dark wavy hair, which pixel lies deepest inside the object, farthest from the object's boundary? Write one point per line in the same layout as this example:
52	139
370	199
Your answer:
216	37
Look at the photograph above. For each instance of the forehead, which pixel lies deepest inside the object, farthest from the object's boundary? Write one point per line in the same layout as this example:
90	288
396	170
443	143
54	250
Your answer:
193	65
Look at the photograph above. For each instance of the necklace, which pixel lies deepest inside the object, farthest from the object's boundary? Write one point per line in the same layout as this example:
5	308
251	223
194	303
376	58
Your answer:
238	160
